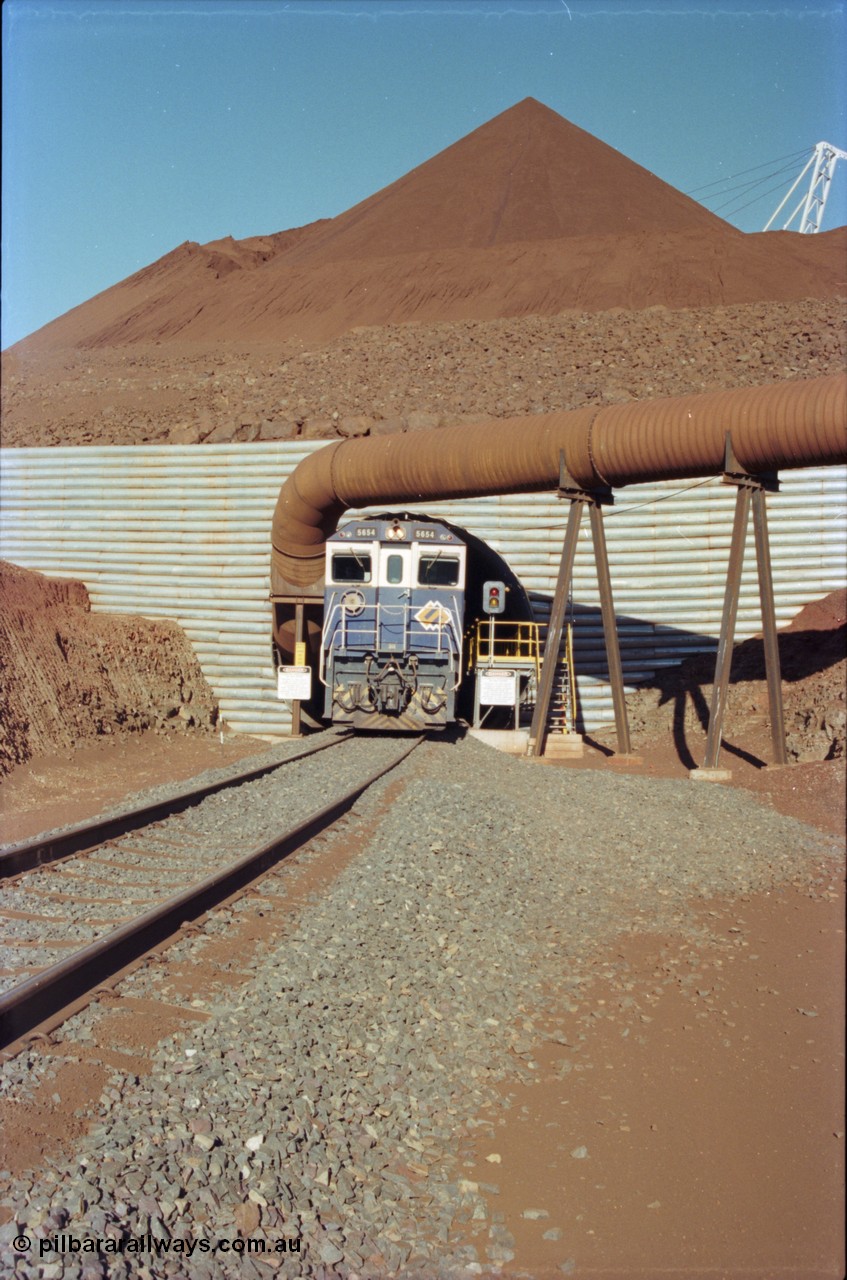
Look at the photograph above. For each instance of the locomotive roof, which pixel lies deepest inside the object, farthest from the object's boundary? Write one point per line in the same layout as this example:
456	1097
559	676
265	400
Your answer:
376	530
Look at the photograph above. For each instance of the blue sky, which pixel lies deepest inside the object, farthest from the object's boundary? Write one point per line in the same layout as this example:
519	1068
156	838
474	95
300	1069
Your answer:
130	126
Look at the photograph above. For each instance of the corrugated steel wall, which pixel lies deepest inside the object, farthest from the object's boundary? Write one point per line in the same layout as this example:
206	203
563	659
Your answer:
183	533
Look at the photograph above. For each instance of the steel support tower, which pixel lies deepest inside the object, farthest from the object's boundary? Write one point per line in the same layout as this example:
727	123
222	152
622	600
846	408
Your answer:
822	162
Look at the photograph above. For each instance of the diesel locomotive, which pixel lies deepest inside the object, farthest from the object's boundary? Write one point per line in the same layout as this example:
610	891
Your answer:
393	617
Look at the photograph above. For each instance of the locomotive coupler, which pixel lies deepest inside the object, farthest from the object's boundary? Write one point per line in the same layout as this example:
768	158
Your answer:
391	688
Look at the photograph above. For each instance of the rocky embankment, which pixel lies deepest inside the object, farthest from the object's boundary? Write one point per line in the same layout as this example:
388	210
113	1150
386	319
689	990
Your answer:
813	665
410	376
70	676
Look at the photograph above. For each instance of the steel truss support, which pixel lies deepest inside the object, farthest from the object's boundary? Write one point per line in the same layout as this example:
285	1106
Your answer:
822	162
750	492
594	499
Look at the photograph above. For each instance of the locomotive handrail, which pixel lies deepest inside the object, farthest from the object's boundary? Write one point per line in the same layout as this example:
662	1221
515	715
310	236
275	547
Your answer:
454	614
324	632
336	608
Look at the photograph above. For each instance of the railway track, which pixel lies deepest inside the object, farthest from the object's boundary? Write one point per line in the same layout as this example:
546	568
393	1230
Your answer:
80	905
53	845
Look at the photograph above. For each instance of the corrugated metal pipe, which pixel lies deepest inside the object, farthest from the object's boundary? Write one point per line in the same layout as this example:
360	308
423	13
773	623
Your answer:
783	425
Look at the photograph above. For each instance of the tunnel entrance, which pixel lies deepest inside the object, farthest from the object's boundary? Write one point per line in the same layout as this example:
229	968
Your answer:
484	565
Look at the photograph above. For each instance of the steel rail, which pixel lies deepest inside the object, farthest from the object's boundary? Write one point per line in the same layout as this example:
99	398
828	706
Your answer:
46	993
50	847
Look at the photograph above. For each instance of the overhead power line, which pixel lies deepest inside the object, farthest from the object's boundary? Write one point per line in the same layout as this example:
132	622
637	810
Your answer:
760	195
745	188
821	160
730	177
756	182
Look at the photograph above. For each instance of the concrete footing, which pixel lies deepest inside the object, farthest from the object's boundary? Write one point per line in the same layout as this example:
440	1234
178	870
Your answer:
514	741
710	775
563	746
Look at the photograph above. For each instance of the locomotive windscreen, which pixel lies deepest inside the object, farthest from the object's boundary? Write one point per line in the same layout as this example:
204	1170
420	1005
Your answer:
438	571
351	568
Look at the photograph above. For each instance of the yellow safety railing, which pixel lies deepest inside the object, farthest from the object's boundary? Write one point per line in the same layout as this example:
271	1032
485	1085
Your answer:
499	642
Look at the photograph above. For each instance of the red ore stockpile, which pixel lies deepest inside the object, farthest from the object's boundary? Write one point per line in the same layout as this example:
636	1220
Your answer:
527	267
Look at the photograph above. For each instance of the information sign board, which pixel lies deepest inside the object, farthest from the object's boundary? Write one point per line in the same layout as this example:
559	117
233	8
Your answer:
294	683
498	688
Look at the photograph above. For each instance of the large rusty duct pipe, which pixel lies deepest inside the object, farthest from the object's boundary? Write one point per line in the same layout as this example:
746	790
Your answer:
783	425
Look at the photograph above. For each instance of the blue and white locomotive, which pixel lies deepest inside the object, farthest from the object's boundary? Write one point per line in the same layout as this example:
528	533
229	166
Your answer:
391	643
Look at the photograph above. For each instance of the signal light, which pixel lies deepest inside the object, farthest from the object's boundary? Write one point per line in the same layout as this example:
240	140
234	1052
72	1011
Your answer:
494	597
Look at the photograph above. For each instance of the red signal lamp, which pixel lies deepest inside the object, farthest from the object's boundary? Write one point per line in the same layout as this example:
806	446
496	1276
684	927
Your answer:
494	597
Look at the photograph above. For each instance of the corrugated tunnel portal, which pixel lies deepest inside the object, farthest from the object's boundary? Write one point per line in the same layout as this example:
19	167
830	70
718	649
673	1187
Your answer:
483	564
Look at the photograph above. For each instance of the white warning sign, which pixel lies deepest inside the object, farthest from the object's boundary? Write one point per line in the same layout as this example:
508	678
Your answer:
498	688
294	684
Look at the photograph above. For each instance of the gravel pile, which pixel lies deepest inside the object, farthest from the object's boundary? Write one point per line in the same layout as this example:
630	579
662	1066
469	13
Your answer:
325	1101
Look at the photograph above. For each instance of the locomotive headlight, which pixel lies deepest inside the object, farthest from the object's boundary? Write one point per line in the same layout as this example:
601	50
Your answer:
396	533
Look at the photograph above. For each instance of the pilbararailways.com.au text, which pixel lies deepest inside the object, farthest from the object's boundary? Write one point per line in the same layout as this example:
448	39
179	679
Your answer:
48	1246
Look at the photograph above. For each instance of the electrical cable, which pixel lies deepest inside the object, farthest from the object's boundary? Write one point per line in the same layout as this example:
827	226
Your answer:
761	195
756	182
631	506
730	177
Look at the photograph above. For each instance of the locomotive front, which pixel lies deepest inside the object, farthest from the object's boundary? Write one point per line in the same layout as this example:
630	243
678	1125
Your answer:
391	644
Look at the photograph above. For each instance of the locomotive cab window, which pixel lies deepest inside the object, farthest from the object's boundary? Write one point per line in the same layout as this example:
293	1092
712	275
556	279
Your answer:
438	571
351	568
394	567
394	570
